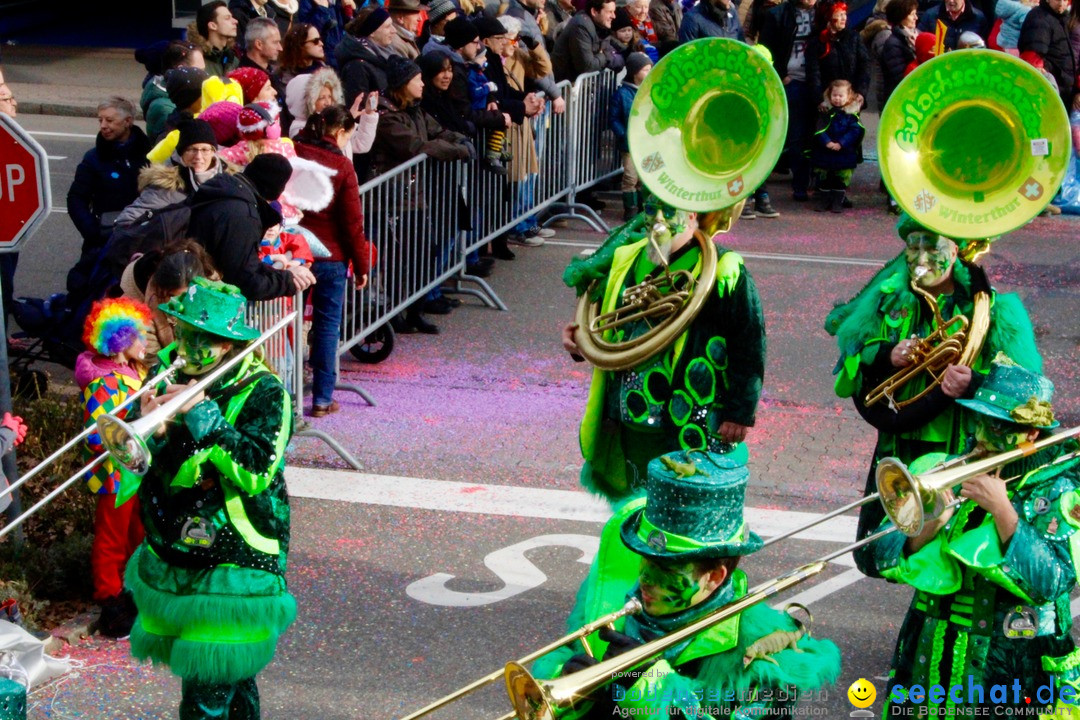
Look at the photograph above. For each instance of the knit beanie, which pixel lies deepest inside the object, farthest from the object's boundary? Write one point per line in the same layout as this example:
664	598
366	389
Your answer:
372	22
252	81
192	132
438	9
399	71
488	27
622	20
634	62
255	120
460	32
269	173
222	117
184	85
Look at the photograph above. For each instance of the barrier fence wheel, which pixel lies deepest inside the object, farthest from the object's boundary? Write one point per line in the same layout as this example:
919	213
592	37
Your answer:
376	347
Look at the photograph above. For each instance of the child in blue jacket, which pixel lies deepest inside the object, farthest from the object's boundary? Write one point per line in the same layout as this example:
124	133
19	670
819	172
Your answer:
480	90
837	146
638	66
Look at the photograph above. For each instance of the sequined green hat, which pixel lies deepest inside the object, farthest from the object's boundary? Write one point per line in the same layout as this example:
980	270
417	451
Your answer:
694	509
214	307
1011	392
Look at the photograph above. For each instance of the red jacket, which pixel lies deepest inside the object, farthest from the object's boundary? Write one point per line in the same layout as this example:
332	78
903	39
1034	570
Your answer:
340	225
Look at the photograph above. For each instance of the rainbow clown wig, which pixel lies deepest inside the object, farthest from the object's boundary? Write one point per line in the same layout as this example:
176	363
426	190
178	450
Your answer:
113	324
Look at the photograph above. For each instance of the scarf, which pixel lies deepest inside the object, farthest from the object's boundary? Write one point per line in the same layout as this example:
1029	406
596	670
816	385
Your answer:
383	53
827	35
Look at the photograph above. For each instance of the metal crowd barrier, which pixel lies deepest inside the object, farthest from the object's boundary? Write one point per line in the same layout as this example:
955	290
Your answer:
426	216
285	354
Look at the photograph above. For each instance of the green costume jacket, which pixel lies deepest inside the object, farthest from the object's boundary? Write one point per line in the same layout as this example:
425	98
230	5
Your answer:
706	673
676	400
992	612
209	579
869	326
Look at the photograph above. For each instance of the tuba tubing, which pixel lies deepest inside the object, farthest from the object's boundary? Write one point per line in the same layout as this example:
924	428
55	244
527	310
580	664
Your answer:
623	356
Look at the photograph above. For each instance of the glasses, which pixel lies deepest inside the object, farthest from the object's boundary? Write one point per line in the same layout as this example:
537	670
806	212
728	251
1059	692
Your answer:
651	207
314	41
192	150
9	98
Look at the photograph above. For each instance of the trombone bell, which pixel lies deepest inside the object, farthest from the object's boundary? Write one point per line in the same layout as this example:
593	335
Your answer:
124	444
907	500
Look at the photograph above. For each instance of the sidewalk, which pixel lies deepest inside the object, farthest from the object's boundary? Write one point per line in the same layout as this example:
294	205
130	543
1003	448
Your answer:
70	81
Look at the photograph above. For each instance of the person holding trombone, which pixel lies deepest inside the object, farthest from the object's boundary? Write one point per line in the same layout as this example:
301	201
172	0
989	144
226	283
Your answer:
209	578
992	573
690	535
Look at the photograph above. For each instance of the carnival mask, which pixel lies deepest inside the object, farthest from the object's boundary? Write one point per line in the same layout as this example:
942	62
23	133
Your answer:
929	257
668	589
667	222
201	351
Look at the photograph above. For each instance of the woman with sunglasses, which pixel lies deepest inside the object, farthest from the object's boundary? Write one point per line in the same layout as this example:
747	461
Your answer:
302	52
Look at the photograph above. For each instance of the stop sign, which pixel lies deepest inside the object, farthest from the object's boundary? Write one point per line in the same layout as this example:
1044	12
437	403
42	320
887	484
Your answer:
25	198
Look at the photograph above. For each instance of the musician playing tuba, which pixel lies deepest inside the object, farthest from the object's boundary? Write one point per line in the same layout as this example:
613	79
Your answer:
701	391
688	535
879	330
992	576
209	579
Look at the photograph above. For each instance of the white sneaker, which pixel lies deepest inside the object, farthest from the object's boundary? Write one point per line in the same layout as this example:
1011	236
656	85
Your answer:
525	240
542	232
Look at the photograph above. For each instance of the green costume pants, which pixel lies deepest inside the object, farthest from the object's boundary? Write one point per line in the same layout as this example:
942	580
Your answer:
235	701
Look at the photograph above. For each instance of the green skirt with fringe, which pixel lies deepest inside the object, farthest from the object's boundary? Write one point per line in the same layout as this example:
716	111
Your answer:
212	625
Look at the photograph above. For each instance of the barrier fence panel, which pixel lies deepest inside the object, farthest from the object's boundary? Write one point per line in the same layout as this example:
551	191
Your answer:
284	352
412	215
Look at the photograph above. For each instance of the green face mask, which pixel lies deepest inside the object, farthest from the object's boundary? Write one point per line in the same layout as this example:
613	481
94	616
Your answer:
999	435
668	589
201	351
929	258
667	222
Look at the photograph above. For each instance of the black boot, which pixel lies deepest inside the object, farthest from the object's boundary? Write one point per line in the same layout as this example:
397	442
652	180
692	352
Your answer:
837	204
824	198
414	318
499	249
629	204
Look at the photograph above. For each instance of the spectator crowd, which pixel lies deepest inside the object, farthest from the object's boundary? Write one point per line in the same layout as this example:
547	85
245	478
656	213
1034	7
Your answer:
264	121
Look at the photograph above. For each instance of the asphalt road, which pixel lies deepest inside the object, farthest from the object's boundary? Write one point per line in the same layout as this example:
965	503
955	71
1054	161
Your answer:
461	545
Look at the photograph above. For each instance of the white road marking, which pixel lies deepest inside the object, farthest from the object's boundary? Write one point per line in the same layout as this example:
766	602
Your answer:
56	157
825	588
59	209
80	136
452	496
785	257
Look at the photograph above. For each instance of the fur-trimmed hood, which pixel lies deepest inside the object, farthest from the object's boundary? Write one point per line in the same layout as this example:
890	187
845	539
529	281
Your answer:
166	177
302	92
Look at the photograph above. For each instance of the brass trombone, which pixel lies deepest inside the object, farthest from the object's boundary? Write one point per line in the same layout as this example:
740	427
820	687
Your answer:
124	441
898	490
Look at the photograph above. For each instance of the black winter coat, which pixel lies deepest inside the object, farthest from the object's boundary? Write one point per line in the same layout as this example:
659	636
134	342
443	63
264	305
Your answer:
244	11
1046	33
972	19
896	54
461	104
107	180
229	219
778	35
577	50
510	101
847	60
361	70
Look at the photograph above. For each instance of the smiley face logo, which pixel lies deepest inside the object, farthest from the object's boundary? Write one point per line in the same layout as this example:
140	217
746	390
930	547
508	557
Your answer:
862	693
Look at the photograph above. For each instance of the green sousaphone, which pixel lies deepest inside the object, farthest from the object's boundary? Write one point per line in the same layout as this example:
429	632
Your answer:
974	143
708	124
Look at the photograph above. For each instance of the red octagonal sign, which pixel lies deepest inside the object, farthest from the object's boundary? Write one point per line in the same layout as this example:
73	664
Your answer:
25	198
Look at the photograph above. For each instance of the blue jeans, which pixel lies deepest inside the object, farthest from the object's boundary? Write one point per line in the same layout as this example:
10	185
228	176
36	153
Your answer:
523	199
327	299
800	130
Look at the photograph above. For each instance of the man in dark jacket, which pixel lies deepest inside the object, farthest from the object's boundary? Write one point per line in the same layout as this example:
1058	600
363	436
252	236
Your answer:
785	31
230	215
666	16
262	48
215	33
106	181
711	18
577	49
958	16
463	39
244	10
1046	33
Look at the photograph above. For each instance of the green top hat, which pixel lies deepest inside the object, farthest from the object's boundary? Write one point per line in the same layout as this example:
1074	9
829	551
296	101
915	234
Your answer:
213	307
694	509
1011	392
